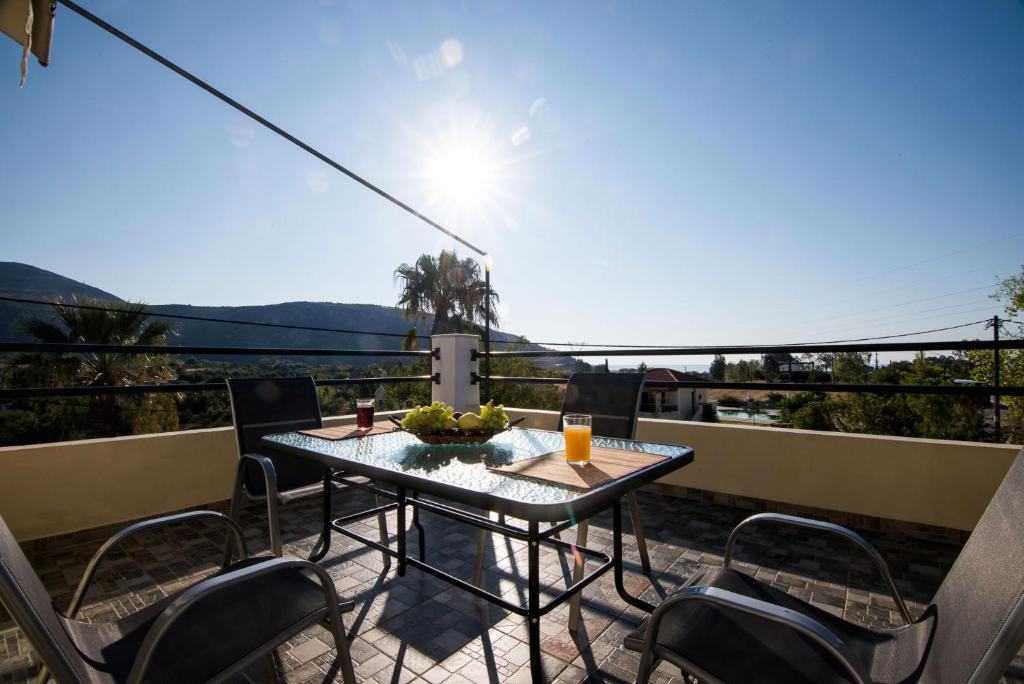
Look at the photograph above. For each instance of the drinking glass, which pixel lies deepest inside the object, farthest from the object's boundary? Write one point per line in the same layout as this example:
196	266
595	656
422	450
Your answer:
364	413
577	439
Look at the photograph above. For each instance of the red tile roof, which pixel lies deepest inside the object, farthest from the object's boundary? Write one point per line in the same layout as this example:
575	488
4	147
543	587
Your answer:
669	375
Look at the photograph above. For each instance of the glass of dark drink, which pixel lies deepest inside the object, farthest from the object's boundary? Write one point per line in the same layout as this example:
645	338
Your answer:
364	413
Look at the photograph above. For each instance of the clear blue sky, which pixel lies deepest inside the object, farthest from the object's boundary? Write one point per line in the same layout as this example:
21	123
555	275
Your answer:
679	173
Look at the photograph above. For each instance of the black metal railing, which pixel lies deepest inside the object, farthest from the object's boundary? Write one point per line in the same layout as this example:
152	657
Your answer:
994	390
10	394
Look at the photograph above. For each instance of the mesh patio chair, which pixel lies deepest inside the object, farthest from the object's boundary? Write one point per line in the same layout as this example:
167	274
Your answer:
264	406
613	401
725	626
207	632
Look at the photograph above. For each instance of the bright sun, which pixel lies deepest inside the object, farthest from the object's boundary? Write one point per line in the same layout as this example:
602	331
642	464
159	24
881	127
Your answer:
461	177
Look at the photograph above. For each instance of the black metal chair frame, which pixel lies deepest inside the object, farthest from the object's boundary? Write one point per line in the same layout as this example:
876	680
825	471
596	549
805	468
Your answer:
978	645
272	495
809	627
68	666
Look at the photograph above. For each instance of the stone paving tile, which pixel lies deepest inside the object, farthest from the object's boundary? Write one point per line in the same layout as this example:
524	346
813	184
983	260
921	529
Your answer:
418	628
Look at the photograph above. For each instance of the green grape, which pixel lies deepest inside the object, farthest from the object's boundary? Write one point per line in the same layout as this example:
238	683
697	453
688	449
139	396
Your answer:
436	416
493	417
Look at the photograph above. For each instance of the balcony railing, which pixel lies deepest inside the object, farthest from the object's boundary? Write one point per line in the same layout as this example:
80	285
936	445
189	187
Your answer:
93	390
996	390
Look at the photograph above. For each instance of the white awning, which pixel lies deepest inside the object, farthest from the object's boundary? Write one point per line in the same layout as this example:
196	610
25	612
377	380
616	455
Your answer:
30	24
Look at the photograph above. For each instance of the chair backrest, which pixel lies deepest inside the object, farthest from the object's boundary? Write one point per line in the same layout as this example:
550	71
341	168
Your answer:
979	609
27	600
264	406
612	399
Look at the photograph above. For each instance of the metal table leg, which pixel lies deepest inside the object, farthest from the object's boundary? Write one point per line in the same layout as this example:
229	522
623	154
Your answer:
617	558
324	542
382	527
638	531
533	605
422	535
402	557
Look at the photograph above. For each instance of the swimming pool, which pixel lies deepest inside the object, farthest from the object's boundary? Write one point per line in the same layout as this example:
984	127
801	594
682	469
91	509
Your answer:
732	414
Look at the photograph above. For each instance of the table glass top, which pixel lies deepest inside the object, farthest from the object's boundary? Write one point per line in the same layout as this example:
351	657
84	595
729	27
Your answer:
465	465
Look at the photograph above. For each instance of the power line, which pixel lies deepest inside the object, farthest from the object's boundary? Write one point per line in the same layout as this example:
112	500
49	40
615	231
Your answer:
907	303
890	337
261	120
967	309
207	319
402	335
906	267
793	344
917	282
75	404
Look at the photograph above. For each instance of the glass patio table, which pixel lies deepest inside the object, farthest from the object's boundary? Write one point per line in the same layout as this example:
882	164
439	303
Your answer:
459	474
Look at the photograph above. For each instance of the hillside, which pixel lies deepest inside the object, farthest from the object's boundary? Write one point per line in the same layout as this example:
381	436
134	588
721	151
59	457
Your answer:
22	280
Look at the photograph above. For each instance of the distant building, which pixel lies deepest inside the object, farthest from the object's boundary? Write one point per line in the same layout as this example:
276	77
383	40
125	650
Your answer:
795	371
681	403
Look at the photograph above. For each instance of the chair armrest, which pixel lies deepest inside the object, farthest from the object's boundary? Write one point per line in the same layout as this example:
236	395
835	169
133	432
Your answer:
211	586
838	530
131	530
271	493
791	619
269	472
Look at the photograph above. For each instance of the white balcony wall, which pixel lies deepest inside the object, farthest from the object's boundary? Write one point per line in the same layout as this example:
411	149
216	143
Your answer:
52	489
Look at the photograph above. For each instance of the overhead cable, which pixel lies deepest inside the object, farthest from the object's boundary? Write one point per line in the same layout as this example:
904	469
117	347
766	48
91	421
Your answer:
152	54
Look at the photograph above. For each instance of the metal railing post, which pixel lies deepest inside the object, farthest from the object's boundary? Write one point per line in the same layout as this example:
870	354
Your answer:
487	327
995	379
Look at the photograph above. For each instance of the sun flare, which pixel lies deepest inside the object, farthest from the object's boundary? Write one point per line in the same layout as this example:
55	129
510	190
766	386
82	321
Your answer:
462	176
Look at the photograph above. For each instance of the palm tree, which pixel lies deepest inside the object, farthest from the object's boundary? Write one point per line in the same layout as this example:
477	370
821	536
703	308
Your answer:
122	323
448	288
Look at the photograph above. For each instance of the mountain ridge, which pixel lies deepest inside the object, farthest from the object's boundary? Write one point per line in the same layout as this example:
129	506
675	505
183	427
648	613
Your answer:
32	282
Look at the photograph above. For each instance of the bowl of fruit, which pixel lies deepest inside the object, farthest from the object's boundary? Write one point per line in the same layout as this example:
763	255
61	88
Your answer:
442	424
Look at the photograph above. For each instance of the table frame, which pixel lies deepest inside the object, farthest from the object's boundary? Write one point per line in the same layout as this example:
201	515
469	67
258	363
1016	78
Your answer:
340	471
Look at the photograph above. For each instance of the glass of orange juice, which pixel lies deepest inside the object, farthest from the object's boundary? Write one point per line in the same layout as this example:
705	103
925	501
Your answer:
577	439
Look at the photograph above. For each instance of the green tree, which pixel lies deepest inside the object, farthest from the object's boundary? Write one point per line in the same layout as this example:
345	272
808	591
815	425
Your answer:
717	369
123	323
935	416
1011	361
521	395
744	371
449	289
809	411
851	367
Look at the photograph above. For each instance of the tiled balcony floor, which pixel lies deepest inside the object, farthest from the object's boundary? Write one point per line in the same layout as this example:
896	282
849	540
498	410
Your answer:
417	628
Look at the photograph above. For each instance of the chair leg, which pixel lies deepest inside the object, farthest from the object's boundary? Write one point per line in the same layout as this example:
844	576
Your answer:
647	664
276	547
272	665
577	574
481	549
341	644
382	525
235	511
638	532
